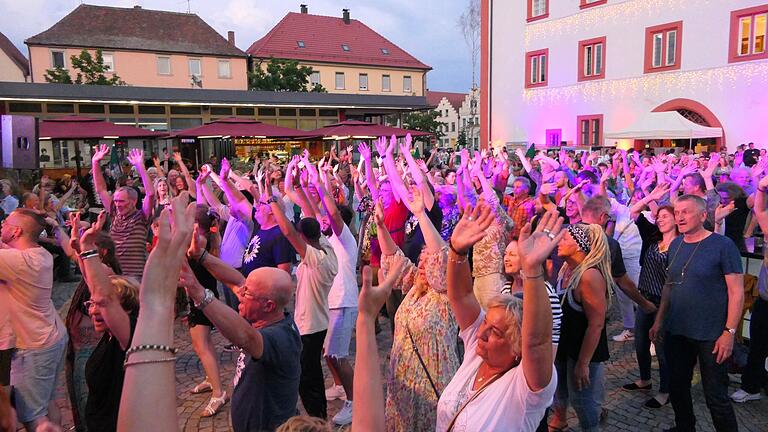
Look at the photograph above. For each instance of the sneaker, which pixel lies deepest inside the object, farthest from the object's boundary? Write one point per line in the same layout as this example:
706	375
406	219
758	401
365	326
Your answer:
740	396
653	349
624	336
344	417
335	392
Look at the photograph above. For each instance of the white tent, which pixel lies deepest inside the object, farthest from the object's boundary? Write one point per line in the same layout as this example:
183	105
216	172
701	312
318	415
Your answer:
665	125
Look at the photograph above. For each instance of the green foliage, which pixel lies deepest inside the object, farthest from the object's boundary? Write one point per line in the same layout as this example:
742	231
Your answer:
282	75
461	140
90	71
424	121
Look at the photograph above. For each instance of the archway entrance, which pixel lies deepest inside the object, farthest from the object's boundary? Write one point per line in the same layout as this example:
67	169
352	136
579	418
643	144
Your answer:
699	114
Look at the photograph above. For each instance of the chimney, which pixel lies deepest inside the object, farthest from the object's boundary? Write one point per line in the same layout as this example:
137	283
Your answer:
137	6
345	15
304	9
231	37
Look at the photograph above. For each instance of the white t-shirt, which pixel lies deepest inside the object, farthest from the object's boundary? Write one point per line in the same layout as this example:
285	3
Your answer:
344	289
26	276
237	234
314	277
508	404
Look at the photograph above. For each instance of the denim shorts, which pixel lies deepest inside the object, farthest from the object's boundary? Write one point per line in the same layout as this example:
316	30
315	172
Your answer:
34	375
341	321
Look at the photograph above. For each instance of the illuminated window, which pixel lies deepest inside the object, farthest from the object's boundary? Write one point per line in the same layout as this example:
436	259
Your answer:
663	47
592	59
536	68
748	32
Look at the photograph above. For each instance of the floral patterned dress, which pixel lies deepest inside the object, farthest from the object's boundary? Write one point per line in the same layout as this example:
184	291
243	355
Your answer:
488	257
411	401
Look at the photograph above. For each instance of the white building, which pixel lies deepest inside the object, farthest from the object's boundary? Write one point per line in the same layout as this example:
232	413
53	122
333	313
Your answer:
447	105
469	117
557	70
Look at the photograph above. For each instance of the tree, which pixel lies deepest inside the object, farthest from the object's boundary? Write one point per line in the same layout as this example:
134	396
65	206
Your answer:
424	122
461	140
282	75
469	23
91	71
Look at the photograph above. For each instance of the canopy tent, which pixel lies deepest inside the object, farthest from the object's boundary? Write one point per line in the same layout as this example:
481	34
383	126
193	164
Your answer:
84	128
355	129
233	127
665	125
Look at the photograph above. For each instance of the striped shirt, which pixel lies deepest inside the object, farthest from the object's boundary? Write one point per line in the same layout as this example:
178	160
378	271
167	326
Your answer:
130	235
653	273
554	302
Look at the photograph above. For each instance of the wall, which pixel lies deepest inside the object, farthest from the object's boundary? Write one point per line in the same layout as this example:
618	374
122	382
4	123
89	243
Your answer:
140	69
737	93
9	71
449	136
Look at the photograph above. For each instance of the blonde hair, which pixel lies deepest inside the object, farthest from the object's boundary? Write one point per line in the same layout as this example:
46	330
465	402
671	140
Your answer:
599	257
127	292
513	311
304	423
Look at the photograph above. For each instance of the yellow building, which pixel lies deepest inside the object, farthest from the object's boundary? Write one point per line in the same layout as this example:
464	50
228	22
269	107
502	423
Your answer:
346	55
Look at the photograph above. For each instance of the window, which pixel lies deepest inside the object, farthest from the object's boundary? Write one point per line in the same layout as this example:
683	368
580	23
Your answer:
300	43
314	78
225	70
363	81
407	88
538	9
663	47
536	68
385	51
748	32
453	126
58	59
386	83
109	61
340	81
163	65
590	129
345	47
195	67
592	59
590	3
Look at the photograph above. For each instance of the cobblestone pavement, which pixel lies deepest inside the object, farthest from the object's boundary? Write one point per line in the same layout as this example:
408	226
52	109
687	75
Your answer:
625	410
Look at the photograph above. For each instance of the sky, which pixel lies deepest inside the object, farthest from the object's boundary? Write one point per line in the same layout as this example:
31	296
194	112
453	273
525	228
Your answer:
427	29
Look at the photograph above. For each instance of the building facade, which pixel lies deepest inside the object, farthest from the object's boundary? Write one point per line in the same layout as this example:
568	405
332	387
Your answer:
346	55
180	50
556	71
14	67
447	105
469	116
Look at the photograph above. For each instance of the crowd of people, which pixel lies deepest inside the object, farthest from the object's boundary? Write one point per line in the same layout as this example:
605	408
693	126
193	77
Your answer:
495	271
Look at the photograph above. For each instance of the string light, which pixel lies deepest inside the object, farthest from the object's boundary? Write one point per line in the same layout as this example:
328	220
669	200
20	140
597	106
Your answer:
657	84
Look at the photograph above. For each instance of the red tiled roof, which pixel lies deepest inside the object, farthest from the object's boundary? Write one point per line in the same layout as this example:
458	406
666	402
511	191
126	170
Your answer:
323	37
135	28
11	51
455	99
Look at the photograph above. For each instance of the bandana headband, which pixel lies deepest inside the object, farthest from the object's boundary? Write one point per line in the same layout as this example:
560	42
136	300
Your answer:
580	234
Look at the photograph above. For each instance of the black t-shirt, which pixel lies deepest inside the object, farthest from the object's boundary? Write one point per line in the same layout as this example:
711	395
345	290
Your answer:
617	260
735	223
750	157
414	238
267	389
649	232
267	248
104	375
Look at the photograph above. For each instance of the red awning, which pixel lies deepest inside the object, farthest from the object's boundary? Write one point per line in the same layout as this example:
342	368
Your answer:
355	129
74	127
239	127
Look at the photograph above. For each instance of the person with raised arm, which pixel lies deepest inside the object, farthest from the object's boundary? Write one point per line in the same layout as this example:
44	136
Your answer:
129	227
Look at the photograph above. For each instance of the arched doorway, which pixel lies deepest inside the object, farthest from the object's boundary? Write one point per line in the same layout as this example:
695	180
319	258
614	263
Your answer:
697	113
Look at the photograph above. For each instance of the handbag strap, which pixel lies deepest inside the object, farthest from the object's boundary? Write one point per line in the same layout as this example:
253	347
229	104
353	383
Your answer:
473	397
421	360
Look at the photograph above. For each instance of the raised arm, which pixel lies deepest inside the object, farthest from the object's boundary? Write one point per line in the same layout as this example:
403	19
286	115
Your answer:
286	226
388	246
185	172
656	194
98	177
370	178
416	204
238	204
136	158
416	172
337	223
398	187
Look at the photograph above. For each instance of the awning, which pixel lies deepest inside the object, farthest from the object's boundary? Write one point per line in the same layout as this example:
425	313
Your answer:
82	128
355	129
233	127
665	125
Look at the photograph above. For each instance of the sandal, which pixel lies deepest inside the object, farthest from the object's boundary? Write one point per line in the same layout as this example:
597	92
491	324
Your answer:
203	387
214	405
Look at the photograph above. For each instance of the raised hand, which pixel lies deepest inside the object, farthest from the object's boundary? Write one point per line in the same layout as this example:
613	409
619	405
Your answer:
422	166
100	153
378	214
372	298
405	146
225	169
198	243
415	202
546	188
88	239
659	191
392	145
722	211
471	227
536	247
365	151
136	157
606	176
381	146
763	183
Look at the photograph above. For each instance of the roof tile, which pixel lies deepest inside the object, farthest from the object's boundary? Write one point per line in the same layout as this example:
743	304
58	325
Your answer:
455	99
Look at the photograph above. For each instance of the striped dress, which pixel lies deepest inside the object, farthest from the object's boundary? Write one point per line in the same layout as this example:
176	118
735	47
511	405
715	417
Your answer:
130	235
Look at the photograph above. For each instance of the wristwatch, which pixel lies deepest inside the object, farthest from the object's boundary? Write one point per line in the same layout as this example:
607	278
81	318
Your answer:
207	299
730	330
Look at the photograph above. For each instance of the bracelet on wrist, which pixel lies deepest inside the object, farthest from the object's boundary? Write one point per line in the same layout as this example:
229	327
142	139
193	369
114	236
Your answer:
763	190
540	275
202	257
450	245
89	254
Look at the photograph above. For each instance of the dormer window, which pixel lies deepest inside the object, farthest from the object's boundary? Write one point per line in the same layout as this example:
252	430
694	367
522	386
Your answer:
385	51
300	44
345	47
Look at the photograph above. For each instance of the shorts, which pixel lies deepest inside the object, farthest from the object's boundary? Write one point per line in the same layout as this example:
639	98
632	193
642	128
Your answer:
341	321
196	316
34	375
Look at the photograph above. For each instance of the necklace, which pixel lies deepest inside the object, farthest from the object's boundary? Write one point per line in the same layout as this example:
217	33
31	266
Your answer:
674	257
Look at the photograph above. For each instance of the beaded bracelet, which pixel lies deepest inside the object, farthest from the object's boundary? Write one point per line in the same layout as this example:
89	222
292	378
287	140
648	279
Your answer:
138	362
89	254
151	347
540	275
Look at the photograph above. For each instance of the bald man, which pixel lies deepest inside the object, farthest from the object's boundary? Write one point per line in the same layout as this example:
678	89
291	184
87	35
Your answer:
36	331
268	369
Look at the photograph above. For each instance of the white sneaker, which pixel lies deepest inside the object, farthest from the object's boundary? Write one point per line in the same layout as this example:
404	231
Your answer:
741	396
335	392
344	417
625	336
653	349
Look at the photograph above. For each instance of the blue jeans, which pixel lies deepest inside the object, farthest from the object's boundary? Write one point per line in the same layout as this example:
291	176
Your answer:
33	378
683	354
643	324
586	402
